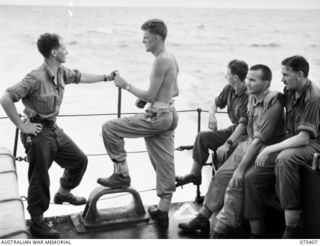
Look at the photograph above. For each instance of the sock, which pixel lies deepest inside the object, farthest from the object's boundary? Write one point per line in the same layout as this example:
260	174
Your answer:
213	219
292	217
121	167
63	191
257	227
196	169
164	203
220	227
205	211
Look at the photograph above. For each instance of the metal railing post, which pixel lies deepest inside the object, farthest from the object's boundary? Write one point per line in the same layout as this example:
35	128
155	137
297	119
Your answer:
199	110
119	102
15	146
198	194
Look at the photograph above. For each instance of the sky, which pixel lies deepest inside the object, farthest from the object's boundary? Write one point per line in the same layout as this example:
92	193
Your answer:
281	4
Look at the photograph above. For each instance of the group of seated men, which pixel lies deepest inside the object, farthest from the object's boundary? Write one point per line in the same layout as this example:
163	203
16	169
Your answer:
272	136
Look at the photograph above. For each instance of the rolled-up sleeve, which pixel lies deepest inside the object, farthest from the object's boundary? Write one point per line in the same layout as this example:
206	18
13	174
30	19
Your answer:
268	122
310	118
71	75
23	88
243	120
222	100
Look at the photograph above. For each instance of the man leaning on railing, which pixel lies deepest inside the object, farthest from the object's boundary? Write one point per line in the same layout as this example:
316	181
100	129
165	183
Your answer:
156	125
41	92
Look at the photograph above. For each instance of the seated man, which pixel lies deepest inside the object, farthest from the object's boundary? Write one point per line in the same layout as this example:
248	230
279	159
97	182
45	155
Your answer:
42	92
265	126
235	97
302	103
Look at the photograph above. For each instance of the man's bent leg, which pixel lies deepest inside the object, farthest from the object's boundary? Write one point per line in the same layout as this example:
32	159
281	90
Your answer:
40	150
114	132
288	164
220	181
208	140
204	141
213	200
161	153
258	186
70	157
231	212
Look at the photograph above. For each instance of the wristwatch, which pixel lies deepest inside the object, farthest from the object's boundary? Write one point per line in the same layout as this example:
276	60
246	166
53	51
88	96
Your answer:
105	78
229	141
128	87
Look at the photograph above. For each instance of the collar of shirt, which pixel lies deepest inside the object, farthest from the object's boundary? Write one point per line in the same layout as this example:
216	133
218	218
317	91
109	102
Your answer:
50	73
242	90
303	92
256	102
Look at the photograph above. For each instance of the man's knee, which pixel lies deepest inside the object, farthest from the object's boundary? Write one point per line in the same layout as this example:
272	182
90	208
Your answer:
221	177
284	160
250	178
201	136
83	160
108	128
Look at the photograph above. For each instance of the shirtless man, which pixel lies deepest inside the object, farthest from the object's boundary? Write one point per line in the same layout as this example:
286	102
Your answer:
156	125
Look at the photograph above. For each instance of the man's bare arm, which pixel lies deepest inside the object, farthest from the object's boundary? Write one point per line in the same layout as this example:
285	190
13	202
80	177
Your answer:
159	72
299	140
88	78
212	120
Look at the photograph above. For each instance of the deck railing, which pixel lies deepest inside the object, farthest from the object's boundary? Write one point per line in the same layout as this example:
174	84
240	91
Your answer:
199	112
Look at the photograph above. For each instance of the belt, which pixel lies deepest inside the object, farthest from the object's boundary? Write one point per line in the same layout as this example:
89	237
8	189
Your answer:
44	122
161	105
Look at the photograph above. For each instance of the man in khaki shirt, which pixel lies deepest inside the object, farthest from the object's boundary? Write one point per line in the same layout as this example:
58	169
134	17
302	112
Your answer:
41	92
302	103
225	196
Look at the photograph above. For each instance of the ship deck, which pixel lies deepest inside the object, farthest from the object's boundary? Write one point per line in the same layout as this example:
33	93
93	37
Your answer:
179	212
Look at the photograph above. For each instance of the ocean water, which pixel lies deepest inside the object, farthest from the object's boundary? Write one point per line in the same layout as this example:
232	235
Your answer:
100	39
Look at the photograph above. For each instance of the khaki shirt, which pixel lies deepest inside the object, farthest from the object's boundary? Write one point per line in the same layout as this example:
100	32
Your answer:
303	113
266	118
42	92
236	103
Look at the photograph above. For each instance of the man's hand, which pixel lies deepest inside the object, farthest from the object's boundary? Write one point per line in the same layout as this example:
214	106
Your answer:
212	124
263	157
112	75
120	82
222	152
31	128
237	177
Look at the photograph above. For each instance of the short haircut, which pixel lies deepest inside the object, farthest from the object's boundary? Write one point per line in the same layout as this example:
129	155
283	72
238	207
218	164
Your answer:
48	42
239	68
266	71
156	26
297	63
